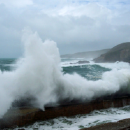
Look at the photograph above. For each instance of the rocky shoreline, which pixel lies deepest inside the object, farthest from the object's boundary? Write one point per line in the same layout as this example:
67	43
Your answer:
24	116
119	125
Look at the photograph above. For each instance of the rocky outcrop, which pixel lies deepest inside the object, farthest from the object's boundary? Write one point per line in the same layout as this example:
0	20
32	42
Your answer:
120	52
82	62
119	125
24	116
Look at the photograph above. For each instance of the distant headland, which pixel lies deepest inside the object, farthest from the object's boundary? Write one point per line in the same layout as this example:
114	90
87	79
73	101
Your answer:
121	52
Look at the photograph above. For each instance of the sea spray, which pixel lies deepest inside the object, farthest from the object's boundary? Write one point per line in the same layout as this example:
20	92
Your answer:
40	69
39	74
35	74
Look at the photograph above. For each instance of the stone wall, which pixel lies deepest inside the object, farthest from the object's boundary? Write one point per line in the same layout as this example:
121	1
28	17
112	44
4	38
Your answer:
25	116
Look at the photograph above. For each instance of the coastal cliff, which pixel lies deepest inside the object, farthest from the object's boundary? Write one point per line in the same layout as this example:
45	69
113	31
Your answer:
120	52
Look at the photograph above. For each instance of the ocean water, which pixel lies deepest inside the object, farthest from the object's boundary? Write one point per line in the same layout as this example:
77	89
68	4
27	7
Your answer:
90	71
43	75
7	64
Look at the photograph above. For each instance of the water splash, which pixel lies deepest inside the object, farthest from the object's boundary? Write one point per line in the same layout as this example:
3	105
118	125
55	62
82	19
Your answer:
40	75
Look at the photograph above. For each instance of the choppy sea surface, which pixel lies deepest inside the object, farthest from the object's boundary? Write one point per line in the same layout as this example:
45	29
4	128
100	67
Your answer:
90	71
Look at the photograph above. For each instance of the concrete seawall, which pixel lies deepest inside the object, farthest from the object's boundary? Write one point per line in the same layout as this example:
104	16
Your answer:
23	116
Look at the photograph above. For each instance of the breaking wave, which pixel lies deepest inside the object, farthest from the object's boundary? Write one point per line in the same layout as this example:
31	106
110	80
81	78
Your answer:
39	74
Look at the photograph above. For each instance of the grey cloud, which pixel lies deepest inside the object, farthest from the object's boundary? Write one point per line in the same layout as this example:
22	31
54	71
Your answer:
84	32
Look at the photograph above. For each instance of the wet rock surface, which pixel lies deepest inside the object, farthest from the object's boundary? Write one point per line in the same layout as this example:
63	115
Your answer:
28	115
82	62
120	125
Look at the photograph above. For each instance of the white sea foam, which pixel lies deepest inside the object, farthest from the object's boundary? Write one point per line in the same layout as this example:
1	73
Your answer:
39	74
86	120
74	62
116	65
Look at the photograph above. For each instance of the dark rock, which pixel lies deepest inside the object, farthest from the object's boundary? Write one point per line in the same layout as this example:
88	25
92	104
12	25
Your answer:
119	125
26	116
27	101
82	62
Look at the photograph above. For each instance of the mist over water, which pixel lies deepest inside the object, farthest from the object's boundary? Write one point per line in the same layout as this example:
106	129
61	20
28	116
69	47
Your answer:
39	74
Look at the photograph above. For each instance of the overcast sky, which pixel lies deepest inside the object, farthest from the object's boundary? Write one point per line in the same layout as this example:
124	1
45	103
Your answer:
75	25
